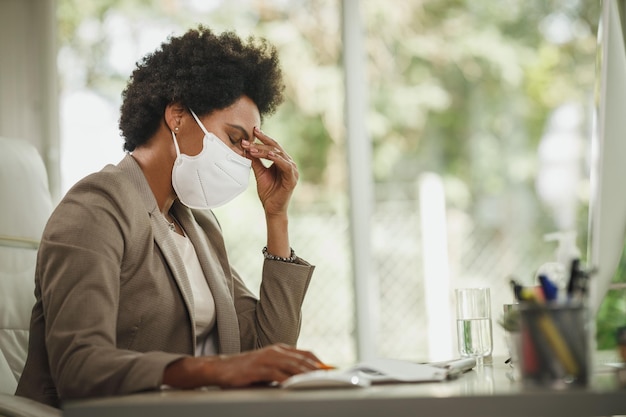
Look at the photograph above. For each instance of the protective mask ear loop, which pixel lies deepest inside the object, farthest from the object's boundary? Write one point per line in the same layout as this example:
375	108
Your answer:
199	122
175	143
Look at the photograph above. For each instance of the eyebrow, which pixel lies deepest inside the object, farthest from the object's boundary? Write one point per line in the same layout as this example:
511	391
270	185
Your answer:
241	129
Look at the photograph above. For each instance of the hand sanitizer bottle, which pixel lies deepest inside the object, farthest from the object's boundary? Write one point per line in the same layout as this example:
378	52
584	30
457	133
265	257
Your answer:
559	270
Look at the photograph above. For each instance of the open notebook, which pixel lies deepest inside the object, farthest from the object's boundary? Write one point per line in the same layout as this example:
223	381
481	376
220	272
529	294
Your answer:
378	371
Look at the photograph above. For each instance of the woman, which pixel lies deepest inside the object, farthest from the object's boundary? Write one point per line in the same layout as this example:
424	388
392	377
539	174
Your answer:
134	290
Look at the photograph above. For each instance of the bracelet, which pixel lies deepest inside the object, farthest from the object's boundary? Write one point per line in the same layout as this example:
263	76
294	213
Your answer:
292	258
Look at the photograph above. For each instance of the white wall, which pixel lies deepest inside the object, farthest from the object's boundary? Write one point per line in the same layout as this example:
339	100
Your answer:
28	78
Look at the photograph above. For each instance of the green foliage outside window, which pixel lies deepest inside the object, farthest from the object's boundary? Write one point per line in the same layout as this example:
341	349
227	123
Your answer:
612	313
462	88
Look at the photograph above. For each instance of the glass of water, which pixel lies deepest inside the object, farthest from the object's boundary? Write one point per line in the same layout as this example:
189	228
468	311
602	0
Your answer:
473	323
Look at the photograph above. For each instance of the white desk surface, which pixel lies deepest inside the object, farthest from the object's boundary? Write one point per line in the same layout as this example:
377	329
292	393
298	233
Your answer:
482	392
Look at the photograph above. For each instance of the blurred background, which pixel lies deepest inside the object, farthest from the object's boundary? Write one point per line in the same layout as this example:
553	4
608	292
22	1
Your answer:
476	118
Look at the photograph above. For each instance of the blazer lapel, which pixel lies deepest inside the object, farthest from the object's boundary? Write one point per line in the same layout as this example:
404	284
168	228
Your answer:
213	260
162	235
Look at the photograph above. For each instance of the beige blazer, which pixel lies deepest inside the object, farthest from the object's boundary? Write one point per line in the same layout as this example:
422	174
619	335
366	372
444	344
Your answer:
113	301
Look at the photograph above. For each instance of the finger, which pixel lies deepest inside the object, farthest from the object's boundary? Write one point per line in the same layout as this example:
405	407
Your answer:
265	139
306	353
278	376
261	151
294	366
271	143
257	150
257	167
287	167
276	363
262	366
304	358
304	363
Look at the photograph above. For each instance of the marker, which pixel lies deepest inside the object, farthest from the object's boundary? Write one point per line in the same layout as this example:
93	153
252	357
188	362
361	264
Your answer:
550	290
530	294
538	294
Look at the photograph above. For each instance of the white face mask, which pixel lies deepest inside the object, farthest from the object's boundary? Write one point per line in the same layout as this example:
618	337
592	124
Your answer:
213	177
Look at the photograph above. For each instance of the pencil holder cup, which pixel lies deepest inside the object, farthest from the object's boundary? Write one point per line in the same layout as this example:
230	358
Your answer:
554	348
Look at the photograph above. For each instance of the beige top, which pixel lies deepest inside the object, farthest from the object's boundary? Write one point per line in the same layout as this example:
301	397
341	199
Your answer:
203	302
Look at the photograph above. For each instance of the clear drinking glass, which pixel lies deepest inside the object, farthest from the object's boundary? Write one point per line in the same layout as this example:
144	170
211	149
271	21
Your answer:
473	323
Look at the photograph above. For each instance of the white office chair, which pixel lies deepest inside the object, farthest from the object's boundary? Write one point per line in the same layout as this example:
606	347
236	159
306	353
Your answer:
25	205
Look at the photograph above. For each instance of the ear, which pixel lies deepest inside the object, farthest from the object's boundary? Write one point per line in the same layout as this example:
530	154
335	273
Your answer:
173	115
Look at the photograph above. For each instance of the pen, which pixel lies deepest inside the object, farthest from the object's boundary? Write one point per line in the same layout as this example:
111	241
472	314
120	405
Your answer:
583	286
517	290
324	366
573	278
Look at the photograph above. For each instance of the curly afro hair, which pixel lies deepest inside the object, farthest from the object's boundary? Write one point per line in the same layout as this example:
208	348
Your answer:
203	71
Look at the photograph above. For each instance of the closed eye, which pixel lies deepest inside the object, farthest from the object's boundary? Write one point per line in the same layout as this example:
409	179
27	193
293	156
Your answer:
235	142
241	133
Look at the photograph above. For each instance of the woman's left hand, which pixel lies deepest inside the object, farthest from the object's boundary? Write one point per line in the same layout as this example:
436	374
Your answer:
275	183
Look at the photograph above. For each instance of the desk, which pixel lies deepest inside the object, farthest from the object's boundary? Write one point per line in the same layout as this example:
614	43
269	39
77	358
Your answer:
482	392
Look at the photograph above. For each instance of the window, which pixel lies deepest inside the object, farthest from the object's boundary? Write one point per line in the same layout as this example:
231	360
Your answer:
470	105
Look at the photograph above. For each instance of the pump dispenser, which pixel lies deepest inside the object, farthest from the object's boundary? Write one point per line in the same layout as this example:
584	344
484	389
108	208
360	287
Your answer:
566	252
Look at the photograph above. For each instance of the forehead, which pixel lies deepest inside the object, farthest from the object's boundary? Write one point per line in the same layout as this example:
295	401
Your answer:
242	112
